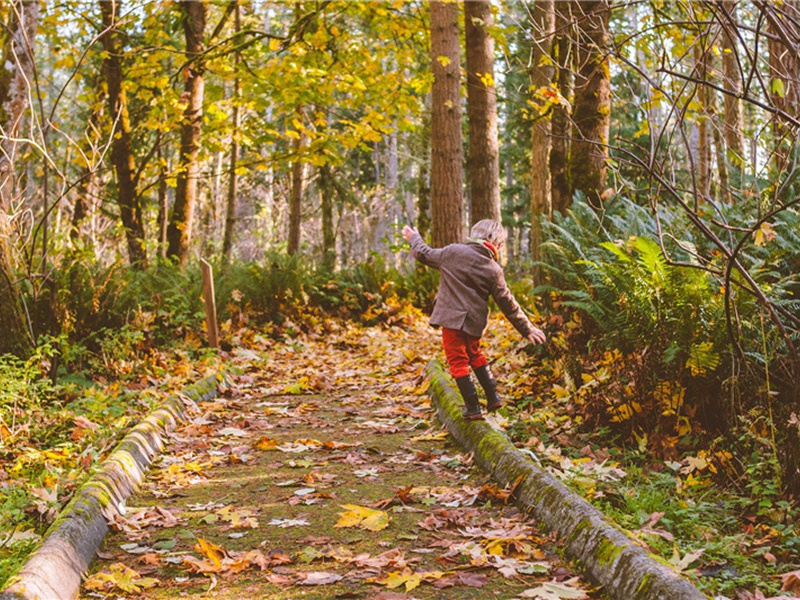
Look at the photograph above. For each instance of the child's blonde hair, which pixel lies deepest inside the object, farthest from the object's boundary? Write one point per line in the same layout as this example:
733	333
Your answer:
489	230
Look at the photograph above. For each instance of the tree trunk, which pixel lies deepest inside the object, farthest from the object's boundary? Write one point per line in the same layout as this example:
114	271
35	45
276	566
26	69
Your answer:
484	155
703	133
719	150
130	210
296	191
784	69
233	178
592	101
447	196
424	182
326	189
560	121
163	201
179	232
543	18
732	106
16	71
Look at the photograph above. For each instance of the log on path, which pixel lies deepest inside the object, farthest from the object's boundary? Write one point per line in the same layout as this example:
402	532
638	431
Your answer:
53	572
610	558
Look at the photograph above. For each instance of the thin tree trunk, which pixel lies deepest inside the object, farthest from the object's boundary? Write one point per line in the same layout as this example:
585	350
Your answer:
130	210
560	121
592	114
326	189
179	232
296	192
719	149
732	105
233	178
15	73
424	182
163	201
484	154
541	74
784	68
447	195
703	137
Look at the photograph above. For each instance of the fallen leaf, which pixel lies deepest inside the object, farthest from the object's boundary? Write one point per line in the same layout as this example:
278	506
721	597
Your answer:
361	516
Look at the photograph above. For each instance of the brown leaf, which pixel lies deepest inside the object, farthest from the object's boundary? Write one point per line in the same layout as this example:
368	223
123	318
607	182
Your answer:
320	578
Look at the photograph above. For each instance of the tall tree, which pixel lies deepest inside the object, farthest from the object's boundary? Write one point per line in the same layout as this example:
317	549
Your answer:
297	185
483	164
562	51
784	67
233	176
592	110
179	232
130	210
543	18
733	124
447	195
16	73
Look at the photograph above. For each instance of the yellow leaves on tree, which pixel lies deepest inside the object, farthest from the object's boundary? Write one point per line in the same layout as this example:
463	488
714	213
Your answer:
363	517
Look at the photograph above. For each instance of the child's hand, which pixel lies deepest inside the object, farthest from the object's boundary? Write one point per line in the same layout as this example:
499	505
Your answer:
408	232
537	337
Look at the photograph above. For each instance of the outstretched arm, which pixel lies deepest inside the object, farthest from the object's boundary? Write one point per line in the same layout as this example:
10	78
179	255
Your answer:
513	312
421	251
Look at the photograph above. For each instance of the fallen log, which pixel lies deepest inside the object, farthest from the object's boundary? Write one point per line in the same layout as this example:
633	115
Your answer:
611	559
54	570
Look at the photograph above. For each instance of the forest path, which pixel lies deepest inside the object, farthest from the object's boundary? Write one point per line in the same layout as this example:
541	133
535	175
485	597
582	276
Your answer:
248	501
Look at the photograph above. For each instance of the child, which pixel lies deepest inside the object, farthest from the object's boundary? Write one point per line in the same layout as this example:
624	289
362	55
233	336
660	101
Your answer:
469	274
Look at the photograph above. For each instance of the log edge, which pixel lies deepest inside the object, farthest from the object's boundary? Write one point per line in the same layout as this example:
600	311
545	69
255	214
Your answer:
610	558
54	570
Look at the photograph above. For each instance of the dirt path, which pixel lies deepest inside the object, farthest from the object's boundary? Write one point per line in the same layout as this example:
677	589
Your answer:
321	475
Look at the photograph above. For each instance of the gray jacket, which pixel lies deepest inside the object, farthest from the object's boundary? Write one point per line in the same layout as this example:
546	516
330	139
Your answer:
469	275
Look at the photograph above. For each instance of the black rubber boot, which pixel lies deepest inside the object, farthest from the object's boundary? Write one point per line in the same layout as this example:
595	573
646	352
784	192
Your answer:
467	389
486	380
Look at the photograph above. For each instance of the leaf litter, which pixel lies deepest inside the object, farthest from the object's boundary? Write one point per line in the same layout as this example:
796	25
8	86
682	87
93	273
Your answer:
322	468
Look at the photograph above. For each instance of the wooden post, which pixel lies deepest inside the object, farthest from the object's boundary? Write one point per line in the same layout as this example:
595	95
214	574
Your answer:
211	305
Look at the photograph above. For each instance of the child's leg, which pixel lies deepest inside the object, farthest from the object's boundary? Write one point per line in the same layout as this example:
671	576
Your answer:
480	365
455	350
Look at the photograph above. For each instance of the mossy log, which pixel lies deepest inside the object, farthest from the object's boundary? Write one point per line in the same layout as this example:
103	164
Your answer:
54	570
609	557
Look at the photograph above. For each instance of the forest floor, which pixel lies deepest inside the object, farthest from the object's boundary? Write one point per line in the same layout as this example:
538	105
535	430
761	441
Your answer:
321	473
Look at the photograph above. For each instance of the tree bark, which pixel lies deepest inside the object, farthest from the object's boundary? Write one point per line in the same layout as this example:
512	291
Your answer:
447	195
732	106
484	155
296	191
703	132
326	189
543	18
424	182
592	101
179	232
15	74
130	210
233	178
561	191
784	68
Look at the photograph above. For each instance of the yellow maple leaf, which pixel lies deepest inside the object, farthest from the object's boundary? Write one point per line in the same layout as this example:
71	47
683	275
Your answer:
409	578
211	551
266	443
361	516
119	576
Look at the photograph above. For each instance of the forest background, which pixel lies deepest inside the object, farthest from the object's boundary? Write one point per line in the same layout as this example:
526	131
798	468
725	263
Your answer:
642	155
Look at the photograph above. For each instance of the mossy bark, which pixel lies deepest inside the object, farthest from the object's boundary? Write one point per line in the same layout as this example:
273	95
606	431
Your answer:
54	571
610	558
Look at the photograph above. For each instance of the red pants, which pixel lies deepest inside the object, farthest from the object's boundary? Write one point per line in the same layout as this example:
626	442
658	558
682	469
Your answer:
462	351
